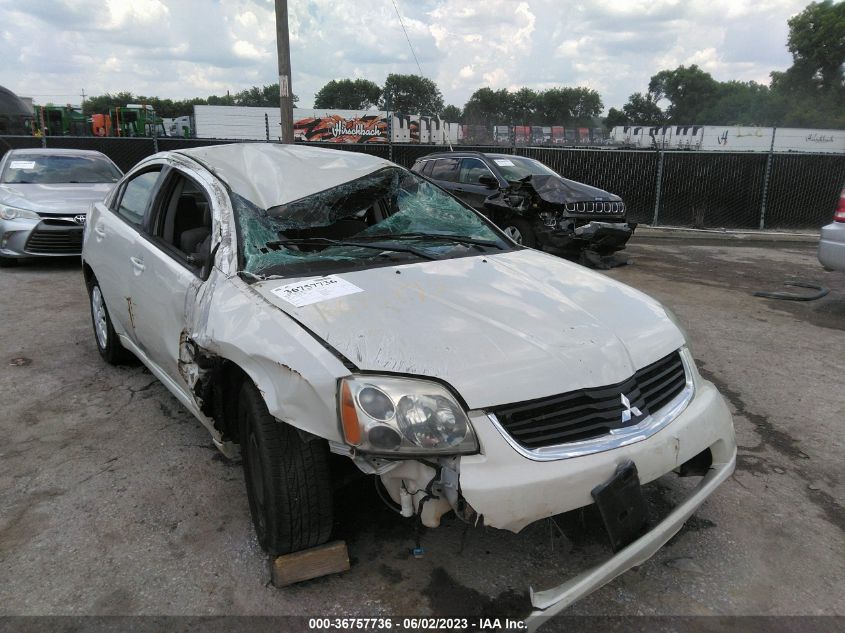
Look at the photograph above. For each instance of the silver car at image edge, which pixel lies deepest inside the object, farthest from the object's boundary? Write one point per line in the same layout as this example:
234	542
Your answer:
45	195
302	301
832	243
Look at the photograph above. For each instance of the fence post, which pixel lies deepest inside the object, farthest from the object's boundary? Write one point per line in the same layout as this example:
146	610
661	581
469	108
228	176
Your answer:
43	138
155	137
769	161
389	117
659	185
266	127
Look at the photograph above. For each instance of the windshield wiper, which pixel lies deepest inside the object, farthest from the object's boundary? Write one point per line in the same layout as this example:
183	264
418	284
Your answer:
439	237
324	241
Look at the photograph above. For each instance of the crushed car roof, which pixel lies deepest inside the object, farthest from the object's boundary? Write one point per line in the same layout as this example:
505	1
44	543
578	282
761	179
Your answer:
269	174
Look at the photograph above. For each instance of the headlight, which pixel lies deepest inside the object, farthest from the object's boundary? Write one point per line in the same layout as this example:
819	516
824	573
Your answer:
11	213
381	414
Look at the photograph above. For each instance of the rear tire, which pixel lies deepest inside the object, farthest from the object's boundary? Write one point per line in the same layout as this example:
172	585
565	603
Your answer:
520	231
108	344
287	479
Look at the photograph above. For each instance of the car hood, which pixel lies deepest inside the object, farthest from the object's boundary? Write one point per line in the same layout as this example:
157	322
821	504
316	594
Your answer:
69	198
499	329
558	190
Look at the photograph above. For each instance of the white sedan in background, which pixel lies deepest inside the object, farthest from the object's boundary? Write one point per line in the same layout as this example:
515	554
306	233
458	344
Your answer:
303	302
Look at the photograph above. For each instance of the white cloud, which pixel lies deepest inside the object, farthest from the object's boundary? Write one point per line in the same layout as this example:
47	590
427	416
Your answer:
183	48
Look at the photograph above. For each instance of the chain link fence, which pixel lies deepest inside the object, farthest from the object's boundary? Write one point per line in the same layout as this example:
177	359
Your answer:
740	190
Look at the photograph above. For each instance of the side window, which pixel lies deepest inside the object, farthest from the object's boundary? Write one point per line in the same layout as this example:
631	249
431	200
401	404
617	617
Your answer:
136	197
183	220
445	169
426	168
471	170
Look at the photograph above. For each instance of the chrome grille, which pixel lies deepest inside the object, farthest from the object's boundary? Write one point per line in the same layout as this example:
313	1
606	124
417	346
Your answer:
589	413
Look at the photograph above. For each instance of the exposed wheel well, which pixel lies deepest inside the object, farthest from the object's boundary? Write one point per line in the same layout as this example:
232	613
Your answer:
222	402
88	274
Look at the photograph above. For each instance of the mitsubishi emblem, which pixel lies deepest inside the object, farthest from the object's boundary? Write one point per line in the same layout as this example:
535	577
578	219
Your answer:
629	411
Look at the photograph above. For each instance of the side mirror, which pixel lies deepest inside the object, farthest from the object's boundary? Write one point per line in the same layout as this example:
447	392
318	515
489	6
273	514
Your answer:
488	180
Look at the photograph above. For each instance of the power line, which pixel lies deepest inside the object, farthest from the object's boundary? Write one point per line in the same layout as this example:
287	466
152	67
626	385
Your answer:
404	30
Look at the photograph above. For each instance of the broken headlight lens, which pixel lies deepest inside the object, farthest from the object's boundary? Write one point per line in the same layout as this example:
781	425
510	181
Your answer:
403	415
550	218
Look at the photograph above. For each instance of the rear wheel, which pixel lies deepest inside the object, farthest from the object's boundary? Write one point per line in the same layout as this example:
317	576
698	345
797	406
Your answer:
287	479
520	231
106	338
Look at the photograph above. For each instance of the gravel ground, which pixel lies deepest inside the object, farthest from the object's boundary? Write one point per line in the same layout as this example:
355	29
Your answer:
114	501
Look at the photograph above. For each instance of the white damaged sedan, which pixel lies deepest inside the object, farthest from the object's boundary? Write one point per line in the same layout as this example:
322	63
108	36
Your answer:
302	302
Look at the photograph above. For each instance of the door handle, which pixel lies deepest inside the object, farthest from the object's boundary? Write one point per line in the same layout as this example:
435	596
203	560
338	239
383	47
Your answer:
460	189
138	265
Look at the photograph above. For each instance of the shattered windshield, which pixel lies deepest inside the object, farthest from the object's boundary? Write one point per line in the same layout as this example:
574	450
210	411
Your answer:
517	168
387	217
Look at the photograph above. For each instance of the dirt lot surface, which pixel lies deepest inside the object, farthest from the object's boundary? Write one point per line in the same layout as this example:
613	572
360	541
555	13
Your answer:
114	501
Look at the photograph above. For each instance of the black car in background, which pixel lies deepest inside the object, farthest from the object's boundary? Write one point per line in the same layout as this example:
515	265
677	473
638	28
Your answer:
532	204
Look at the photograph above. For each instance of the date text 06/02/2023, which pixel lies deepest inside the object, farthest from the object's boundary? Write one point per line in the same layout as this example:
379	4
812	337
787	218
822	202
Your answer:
414	624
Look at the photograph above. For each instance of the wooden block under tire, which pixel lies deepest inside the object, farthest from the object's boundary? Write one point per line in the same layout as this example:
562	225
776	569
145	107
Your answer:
331	558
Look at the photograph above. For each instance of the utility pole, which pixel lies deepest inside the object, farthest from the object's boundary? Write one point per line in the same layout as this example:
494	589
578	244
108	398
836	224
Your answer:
285	91
82	107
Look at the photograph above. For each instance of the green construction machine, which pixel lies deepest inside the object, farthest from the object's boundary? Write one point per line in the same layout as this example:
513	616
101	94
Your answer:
53	120
136	120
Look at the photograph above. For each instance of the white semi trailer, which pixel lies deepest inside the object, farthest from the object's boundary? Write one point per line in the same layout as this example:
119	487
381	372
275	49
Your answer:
730	138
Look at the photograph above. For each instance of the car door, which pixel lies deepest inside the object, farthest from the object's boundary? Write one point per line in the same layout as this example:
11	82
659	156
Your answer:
176	260
113	256
444	172
469	189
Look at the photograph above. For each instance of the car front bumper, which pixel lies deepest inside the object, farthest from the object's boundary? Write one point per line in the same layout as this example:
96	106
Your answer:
832	246
40	238
550	602
511	490
605	236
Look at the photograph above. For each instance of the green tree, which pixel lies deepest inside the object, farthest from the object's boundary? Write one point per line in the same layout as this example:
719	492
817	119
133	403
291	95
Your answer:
523	106
738	103
586	104
567	106
817	43
411	94
348	94
642	109
688	90
615	117
488	107
452	114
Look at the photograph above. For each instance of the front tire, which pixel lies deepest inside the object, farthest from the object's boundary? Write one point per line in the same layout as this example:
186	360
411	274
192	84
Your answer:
105	337
287	479
520	231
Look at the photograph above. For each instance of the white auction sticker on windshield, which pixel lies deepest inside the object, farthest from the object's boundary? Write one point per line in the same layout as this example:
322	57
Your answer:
503	162
22	164
304	293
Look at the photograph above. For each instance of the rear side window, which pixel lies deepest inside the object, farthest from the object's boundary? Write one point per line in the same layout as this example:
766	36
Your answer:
136	197
445	169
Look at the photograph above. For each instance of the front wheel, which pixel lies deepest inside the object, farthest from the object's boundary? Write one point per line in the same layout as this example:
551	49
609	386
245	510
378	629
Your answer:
104	335
287	479
520	231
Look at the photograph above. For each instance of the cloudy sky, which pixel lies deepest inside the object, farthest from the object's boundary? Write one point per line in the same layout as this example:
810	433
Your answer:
51	49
